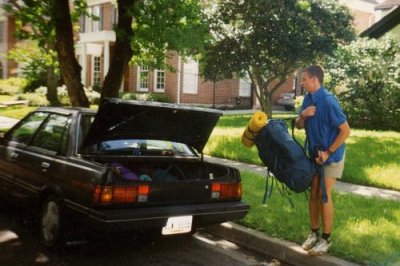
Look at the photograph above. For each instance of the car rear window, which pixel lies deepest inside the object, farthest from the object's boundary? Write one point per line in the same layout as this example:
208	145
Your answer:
142	147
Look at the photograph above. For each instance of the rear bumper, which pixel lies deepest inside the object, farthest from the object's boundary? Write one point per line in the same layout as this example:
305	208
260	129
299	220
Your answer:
156	217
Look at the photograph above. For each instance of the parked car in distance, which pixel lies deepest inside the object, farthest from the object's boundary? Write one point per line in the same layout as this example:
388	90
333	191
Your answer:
287	100
130	166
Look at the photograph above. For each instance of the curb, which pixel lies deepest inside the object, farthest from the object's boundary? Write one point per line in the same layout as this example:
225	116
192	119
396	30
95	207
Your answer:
286	251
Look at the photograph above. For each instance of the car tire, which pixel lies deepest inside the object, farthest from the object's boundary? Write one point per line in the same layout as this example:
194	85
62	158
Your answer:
51	223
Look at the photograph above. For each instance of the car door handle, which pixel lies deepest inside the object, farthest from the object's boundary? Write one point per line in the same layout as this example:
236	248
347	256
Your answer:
14	155
45	166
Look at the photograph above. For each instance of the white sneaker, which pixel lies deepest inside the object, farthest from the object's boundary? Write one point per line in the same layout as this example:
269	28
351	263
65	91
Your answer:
310	241
320	248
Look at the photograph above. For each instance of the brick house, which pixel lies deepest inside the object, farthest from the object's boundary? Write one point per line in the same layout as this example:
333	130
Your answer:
94	48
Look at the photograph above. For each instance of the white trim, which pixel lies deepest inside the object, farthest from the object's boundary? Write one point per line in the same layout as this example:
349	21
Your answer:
155	79
106	57
138	88
98	2
100	36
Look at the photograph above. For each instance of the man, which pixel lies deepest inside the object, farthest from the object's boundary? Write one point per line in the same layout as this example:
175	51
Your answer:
326	128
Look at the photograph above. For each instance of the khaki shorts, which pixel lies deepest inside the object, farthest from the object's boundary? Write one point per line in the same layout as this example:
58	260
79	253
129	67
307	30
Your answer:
335	169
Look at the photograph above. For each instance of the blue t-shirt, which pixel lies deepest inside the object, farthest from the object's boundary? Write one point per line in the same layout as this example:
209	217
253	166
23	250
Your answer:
323	128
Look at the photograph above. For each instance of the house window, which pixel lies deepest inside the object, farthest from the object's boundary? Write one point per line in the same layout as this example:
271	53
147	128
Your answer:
1	31
97	19
96	71
94	22
159	80
143	78
245	88
114	15
190	77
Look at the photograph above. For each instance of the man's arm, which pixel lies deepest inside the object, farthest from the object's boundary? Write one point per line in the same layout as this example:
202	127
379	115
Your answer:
308	112
344	133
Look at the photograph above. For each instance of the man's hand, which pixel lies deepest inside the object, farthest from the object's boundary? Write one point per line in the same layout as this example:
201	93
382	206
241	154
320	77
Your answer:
308	112
322	157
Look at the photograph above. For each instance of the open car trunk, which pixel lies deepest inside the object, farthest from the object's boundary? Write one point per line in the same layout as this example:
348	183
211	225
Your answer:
174	182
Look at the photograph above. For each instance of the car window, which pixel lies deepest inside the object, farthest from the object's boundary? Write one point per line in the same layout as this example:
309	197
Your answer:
52	135
86	120
26	130
144	147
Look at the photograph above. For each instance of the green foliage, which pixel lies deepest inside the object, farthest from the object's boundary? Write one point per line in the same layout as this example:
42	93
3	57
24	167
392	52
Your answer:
35	99
35	63
92	95
12	86
161	26
268	40
155	97
366	77
366	229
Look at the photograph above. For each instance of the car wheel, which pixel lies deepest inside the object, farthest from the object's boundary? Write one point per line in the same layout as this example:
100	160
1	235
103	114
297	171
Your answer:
50	223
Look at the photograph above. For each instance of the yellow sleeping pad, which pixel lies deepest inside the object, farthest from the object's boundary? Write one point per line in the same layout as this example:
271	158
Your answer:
257	122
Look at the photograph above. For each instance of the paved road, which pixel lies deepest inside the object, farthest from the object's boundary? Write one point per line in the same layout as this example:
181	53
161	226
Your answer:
18	246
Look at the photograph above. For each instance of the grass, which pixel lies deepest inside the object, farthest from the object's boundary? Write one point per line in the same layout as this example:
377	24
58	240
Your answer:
16	112
366	230
372	157
6	98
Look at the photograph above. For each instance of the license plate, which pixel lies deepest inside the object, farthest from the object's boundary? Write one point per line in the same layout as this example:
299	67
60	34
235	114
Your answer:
178	225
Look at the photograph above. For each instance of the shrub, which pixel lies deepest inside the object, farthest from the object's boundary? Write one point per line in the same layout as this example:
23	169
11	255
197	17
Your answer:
93	96
366	77
62	95
154	97
35	99
12	86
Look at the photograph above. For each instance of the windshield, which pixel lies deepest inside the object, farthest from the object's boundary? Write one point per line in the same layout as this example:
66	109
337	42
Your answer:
141	147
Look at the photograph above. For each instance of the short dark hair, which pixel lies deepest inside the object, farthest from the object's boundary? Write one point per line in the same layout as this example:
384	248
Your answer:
315	71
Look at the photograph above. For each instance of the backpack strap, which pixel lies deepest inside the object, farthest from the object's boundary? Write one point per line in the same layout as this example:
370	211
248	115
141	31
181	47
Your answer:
268	194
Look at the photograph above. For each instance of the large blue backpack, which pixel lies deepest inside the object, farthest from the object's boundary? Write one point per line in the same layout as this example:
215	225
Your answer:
284	157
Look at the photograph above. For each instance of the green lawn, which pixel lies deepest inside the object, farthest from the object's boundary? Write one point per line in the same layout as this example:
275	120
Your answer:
366	230
16	111
372	157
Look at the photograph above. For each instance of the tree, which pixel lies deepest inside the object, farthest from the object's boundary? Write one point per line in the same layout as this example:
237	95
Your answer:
160	27
33	23
366	77
71	70
268	40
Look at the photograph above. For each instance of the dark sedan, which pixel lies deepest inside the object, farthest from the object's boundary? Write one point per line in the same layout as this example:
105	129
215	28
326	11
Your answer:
130	166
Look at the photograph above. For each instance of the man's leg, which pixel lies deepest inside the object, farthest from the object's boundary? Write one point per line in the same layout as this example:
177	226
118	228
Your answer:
314	203
327	219
314	207
327	209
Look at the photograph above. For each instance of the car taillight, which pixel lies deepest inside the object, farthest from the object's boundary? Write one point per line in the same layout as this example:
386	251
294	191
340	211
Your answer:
226	190
120	194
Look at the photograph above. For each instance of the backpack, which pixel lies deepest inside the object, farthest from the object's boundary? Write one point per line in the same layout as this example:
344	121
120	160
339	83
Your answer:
285	158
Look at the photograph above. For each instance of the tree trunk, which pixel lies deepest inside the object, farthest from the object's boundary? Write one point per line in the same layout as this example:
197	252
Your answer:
52	80
70	68
122	52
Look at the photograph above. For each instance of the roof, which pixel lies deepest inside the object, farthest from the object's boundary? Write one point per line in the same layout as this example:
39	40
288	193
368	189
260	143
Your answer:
388	4
384	25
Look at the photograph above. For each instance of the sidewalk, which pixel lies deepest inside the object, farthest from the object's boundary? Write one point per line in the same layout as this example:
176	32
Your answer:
6	122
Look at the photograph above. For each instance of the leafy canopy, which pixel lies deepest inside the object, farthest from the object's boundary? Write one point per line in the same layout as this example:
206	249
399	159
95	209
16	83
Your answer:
366	76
